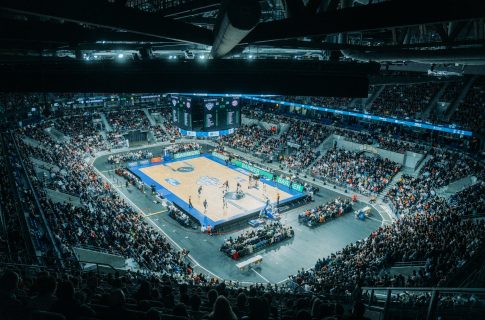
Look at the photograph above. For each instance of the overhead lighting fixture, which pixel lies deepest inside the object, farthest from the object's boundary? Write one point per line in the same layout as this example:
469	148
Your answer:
121	56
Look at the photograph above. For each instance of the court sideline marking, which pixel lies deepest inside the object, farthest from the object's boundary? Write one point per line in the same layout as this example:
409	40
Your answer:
154	213
154	224
259	274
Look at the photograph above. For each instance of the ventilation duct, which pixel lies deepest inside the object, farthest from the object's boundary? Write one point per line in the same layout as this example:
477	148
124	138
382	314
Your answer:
467	56
239	17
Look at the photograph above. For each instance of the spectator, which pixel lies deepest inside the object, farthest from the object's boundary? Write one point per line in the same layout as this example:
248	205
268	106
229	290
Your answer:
46	286
67	305
10	306
222	310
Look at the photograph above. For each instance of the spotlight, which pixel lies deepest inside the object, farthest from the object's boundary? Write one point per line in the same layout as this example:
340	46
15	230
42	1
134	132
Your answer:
95	57
250	56
121	56
202	57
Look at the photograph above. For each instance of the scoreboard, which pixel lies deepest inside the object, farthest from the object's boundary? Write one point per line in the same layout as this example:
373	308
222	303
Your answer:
182	112
206	114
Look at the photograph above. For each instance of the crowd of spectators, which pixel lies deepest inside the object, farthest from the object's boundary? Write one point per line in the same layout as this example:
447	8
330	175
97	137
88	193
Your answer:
431	230
81	129
452	91
129	156
131	179
404	100
39	134
470	200
400	146
388	137
18	106
78	125
129	119
116	140
254	240
442	239
49	294
470	113
248	138
183	147
327	102
170	126
272	148
103	220
354	170
303	138
161	114
325	212
414	194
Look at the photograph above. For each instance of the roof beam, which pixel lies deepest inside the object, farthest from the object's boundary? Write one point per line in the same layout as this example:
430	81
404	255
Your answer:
111	16
65	33
313	45
190	8
213	76
361	18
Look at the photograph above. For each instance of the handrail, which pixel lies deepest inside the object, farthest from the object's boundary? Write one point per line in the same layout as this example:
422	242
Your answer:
23	265
408	264
34	192
3	225
387	308
98	249
419	162
417	289
24	226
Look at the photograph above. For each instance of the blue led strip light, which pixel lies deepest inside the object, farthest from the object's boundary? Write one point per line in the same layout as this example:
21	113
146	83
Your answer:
365	116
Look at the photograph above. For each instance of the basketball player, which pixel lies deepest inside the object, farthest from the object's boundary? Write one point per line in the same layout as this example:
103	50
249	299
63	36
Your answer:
224	201
190	202
199	191
205	204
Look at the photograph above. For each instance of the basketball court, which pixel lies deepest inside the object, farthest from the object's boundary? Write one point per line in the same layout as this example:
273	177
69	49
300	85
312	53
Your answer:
181	179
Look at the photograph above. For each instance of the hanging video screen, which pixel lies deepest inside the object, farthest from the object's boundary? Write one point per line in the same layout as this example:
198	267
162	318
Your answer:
206	113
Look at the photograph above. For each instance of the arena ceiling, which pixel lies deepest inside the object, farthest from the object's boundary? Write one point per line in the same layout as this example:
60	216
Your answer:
237	37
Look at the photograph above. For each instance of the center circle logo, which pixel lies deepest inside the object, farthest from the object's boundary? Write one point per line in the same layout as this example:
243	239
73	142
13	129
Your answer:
207	181
185	169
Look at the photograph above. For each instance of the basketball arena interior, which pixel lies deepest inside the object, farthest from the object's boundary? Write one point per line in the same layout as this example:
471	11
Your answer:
242	159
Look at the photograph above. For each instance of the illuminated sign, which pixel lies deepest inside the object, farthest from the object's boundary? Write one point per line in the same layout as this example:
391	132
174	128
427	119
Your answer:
429	126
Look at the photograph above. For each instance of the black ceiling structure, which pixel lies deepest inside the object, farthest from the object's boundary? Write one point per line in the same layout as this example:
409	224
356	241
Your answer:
238	43
216	76
390	14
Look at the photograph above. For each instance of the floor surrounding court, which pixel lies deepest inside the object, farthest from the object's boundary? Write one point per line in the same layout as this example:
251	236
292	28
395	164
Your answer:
178	181
279	261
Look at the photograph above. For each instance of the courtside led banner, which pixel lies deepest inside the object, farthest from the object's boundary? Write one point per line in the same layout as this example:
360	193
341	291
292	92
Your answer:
186	154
